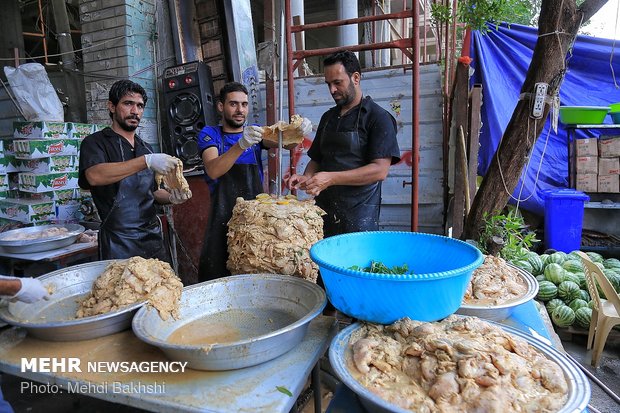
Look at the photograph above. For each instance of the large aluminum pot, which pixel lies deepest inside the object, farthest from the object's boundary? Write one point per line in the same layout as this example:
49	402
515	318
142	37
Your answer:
10	244
54	319
240	321
502	311
339	354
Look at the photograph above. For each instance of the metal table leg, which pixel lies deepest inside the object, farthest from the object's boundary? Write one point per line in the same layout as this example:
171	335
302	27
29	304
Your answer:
316	387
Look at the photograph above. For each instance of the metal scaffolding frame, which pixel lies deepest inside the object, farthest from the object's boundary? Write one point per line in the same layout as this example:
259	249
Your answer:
294	58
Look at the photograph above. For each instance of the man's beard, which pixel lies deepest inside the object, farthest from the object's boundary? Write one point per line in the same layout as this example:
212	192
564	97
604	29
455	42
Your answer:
346	97
127	127
233	123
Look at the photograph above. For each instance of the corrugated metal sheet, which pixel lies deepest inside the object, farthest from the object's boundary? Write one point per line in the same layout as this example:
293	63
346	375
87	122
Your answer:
391	89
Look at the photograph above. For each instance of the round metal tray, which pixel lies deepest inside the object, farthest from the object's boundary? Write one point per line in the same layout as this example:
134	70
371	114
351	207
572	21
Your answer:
265	316
339	352
55	320
499	312
39	244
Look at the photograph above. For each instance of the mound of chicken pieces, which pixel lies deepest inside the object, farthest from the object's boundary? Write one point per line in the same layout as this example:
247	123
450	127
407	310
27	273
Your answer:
461	364
136	279
274	236
494	282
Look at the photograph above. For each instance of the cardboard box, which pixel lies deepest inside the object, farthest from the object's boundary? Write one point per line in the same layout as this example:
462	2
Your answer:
8	163
44	148
609	146
609	166
62	163
609	183
68	212
79	130
61	195
4	182
40	130
586	165
53	181
27	210
7	146
586	147
586	182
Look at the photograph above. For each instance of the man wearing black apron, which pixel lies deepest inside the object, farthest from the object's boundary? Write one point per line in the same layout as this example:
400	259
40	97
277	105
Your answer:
118	168
353	149
231	153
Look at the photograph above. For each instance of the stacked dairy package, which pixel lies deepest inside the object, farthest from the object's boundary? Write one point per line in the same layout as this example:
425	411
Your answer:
39	169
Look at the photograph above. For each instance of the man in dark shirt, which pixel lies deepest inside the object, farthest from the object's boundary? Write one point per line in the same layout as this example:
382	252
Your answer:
353	149
118	167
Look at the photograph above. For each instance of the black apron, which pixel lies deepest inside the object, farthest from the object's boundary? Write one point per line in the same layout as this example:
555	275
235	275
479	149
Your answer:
132	227
240	181
349	208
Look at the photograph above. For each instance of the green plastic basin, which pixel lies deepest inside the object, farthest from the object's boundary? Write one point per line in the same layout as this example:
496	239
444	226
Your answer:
583	115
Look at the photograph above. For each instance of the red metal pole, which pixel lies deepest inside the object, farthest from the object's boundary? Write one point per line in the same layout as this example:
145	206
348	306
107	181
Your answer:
415	115
289	73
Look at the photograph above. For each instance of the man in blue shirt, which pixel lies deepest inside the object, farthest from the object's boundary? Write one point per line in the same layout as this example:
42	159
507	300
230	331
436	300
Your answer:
231	153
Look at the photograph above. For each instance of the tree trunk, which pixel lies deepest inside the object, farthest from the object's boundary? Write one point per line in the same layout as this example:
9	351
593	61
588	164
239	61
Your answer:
547	66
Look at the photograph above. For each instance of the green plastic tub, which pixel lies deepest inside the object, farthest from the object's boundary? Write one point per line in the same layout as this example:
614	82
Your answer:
583	115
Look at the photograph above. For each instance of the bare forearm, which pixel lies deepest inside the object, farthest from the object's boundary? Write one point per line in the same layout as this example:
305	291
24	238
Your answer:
112	172
9	287
364	175
162	196
216	166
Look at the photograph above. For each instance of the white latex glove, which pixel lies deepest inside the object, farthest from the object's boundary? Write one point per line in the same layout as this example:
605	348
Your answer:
306	126
160	163
32	290
178	197
251	135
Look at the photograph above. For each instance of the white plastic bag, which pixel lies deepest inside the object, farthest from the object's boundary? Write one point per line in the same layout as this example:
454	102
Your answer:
34	92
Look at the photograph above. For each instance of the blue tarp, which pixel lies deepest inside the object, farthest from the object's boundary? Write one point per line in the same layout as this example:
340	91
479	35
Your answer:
500	60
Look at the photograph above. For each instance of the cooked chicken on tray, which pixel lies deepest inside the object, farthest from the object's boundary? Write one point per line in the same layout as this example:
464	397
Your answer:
461	364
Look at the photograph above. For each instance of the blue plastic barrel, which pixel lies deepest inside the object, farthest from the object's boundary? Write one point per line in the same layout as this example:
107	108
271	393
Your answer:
564	218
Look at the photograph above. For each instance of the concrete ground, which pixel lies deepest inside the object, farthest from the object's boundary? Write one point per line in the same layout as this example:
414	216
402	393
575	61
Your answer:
574	344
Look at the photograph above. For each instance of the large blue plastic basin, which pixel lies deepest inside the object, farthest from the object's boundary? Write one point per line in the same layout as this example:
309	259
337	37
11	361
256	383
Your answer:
441	267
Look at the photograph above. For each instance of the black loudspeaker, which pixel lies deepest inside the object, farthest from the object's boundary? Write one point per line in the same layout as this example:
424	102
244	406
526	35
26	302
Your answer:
190	106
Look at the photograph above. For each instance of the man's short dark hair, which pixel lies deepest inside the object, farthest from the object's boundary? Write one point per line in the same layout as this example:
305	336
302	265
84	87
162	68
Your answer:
123	87
345	58
231	87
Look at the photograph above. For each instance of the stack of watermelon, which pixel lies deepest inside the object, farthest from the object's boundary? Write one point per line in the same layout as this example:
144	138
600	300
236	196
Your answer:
562	284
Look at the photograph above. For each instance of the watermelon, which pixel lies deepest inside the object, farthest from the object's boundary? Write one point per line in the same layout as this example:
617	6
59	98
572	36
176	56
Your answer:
574	256
557	257
563	316
568	291
583	284
569	276
612	263
573	266
614	278
524	265
584	295
583	317
544	258
591	304
554	273
595	257
577	303
546	291
553	304
599	265
536	263
541	277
